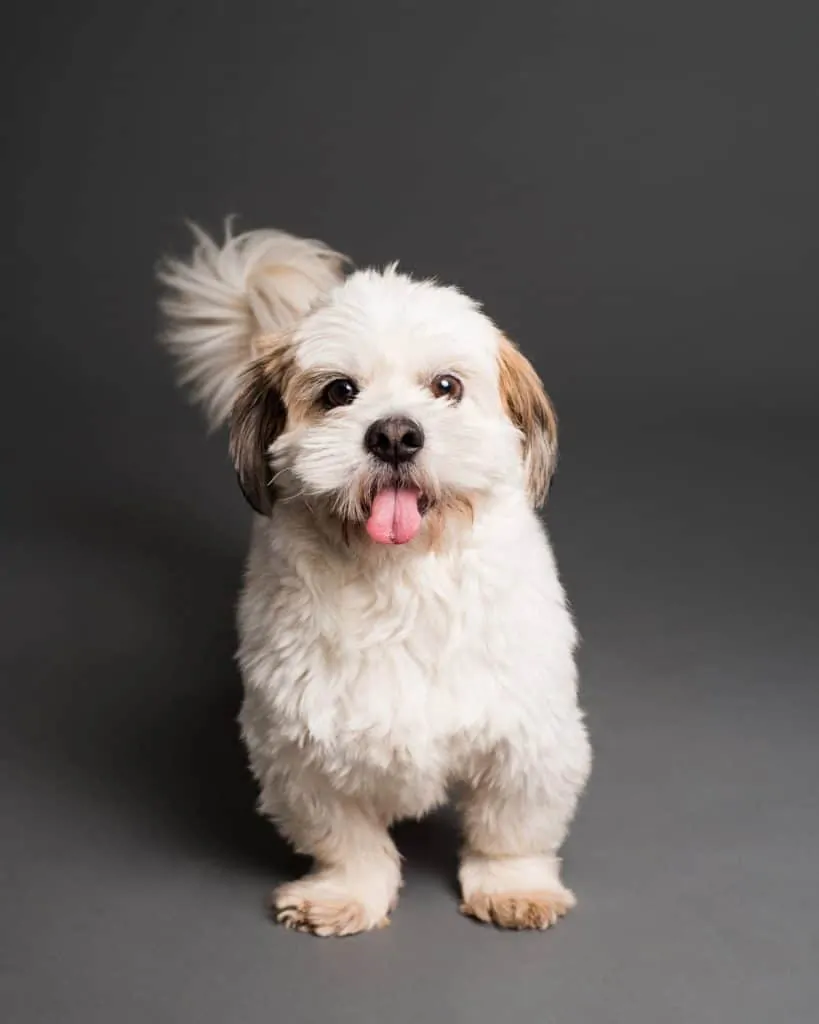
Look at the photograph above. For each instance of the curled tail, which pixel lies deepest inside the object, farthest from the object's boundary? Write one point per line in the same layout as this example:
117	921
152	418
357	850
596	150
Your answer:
220	300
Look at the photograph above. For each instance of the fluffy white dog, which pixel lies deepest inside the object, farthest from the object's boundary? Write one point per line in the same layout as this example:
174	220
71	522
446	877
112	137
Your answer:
403	630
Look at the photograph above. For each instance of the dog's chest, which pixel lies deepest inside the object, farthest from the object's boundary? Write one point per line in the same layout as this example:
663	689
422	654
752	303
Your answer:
394	670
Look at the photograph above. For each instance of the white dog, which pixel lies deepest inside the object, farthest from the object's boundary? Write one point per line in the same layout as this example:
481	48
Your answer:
403	631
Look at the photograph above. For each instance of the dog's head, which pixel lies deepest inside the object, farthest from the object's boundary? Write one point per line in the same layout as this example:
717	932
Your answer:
393	406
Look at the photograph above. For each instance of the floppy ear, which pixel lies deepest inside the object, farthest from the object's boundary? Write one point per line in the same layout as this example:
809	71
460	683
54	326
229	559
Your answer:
528	406
258	417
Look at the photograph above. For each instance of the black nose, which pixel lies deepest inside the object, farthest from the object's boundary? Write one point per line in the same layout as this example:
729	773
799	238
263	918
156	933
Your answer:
394	439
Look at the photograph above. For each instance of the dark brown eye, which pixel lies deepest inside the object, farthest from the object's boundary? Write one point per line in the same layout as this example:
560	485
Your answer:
339	392
447	385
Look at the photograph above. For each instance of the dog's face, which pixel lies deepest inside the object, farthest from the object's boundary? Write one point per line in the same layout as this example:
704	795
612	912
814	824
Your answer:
393	406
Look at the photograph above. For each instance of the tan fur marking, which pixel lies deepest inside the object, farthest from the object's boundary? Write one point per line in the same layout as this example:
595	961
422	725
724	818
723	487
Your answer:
259	415
528	406
450	510
300	397
518	910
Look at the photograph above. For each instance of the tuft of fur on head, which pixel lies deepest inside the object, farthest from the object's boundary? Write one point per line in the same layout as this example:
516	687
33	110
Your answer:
221	301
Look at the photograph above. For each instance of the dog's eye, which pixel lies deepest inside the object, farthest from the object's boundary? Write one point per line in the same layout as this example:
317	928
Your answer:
447	385
339	392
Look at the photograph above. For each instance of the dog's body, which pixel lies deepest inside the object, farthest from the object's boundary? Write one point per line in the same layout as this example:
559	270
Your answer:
403	631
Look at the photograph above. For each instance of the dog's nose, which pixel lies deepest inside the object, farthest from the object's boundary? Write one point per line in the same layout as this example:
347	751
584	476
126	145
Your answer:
394	439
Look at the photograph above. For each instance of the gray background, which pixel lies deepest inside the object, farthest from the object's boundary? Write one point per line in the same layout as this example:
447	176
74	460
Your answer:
631	188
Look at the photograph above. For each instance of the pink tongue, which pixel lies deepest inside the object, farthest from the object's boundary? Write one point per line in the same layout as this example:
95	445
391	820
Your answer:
394	518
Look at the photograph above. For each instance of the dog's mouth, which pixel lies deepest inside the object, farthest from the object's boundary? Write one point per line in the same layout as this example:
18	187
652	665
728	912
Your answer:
395	514
392	503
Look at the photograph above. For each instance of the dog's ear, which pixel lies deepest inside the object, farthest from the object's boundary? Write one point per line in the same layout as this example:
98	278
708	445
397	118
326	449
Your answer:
258	417
528	406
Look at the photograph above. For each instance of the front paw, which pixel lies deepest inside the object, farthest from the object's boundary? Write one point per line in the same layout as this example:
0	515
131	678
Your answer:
323	907
519	910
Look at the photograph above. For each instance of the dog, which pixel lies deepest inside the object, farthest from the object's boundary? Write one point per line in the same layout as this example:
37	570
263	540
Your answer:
404	636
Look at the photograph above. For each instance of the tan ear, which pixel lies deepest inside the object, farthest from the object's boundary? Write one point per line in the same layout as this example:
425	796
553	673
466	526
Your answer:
528	406
258	417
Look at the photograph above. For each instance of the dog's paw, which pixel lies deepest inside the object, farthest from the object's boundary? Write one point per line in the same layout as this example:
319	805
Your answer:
519	910
311	906
327	918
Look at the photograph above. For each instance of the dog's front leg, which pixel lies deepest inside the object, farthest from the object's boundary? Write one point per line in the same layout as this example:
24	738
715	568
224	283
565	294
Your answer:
516	813
356	876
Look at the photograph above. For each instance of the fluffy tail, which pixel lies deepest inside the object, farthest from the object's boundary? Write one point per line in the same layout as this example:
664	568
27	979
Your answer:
221	299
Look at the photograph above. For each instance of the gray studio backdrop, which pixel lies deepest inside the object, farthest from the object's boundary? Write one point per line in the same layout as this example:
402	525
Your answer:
631	189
